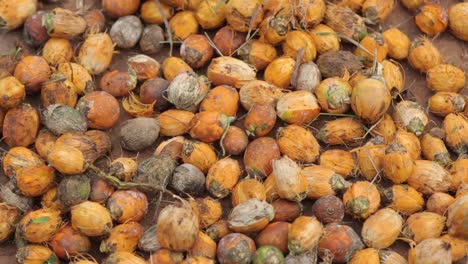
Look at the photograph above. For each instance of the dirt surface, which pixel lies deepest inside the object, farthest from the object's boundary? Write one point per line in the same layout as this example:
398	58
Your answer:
453	51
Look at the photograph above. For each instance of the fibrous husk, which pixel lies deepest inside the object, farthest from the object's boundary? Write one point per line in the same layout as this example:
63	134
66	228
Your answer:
155	171
8	196
250	216
187	90
139	133
337	63
149	241
73	190
60	119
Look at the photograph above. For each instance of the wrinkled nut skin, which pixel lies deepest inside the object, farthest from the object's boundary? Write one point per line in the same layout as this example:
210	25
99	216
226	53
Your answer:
228	40
20	126
275	234
126	31
120	8
445	78
235	248
100	108
57	51
32	71
247	189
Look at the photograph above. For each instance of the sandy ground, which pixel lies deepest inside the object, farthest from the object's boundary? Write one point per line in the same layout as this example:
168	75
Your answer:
453	50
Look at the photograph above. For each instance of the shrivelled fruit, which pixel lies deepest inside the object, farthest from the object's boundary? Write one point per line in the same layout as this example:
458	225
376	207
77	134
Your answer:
126	31
304	234
139	133
398	43
18	158
34	181
81	142
432	19
187	90
339	242
73	190
78	75
361	199
9	215
188	179
423	55
410	116
12	92
381	229
250	216
344	21
337	63
59	90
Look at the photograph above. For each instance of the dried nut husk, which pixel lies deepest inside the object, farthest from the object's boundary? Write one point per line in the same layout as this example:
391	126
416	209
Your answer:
298	143
18	158
116	8
325	39
68	242
433	148
118	83
386	129
361	199
394	78
424	225
459	172
230	71
187	90
73	190
76	74
259	92
257	53
57	51
291	183
204	247
410	116
101	140
423	55
244	15
12	92
429	177
139	133
431	251
309	13
391	257
175	122
410	141
260	120
334	95
123	168
218	230
150	12
222	176
96	53
377	11
381	229
183	24
439	202
250	216
152	39
172	66
286	210
280	72
397	163
339	242
156	170
247	189
35	254
123	257
338	63
340	161
270	188
432	19
275	234
404	199
376	44
456	132
101	109
20	126
209	210
273	29
172	147
355	5
235	248
63	23
304	234
40	225
127	205
188	179
14	15
9	196
235	141
66	159
457	217
95	22
101	190
211	14
370	100
177	227
323	181
370	159
259	155
329	209
398	43
123	237
196	51
126	31
342	131
9	216
223	99
50	199
154	90
366	256
457	23
444	103
412	5
34	33
296	41
32	72
81	142
209	126
203	156
228	40
343	20
298	107
34	181
308	77
149	240
458	246
58	90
